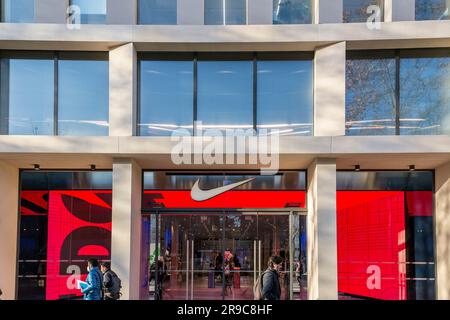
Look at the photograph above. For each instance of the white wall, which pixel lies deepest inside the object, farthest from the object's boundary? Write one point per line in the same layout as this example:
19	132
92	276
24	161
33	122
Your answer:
9	190
126	226
321	230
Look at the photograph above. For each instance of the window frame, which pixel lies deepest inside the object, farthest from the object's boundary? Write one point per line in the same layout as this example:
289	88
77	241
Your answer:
56	57
397	55
254	57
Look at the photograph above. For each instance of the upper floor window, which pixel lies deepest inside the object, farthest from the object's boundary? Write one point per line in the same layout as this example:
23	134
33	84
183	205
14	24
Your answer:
362	10
20	11
91	11
221	91
432	9
292	11
54	93
403	92
223	12
157	12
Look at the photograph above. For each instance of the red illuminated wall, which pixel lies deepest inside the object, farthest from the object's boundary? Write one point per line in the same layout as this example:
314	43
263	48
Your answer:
181	199
79	228
371	240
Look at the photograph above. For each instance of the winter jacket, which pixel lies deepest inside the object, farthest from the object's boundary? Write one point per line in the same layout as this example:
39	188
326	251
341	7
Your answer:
93	291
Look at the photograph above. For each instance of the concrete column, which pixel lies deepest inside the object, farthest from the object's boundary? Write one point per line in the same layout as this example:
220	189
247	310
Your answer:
442	235
9	189
122	90
260	12
329	90
51	11
126	225
190	12
321	230
399	10
122	12
328	11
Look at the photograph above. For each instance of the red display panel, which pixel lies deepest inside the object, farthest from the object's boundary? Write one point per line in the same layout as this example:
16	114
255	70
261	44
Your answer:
79	228
371	244
242	199
34	203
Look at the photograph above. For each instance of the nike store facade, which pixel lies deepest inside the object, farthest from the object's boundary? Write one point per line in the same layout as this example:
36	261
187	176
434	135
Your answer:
141	133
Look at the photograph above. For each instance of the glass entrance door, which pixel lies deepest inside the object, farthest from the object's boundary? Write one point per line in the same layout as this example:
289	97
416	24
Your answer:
216	255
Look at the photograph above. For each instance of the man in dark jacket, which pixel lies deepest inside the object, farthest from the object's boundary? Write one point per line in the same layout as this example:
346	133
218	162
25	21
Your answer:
271	289
111	282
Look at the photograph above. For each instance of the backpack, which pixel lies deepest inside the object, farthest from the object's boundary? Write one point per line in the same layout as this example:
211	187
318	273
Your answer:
257	288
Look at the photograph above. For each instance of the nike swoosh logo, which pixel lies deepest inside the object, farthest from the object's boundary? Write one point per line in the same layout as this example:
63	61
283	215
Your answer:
198	194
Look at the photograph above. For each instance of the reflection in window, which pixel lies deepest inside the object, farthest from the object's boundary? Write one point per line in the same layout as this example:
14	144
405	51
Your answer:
356	10
92	11
425	95
27	99
166	97
83	98
225	94
18	11
157	12
370	96
285	96
224	12
416	102
292	11
432	9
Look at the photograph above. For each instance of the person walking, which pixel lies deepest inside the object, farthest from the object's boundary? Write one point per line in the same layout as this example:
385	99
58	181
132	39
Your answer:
111	282
271	289
93	290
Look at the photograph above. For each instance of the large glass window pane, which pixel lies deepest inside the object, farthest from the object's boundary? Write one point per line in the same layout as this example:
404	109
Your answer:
157	11
225	94
20	11
235	11
27	96
219	12
92	11
370	96
83	97
292	11
285	96
425	95
432	9
356	10
166	97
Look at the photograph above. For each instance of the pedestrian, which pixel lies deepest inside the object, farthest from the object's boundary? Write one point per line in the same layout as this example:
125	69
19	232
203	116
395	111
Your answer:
93	290
271	289
111	282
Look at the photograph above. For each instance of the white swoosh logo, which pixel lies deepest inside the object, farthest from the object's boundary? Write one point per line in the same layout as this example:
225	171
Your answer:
198	194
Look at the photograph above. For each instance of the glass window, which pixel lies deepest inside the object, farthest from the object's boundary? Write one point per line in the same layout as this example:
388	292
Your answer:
92	11
83	99
27	96
385	239
220	12
60	229
225	94
20	11
157	12
356	10
370	95
425	95
166	97
432	9
285	96
292	11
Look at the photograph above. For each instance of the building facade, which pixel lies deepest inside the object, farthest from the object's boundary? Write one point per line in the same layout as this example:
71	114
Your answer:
92	92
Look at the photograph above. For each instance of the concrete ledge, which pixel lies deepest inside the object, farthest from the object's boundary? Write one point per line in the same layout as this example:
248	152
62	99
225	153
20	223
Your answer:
407	34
